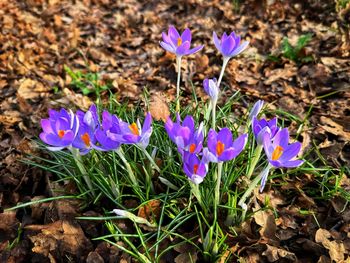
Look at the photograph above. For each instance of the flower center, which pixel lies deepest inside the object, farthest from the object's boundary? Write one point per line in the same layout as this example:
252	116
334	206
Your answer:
192	148
133	128
61	133
220	147
86	139
276	154
195	168
179	41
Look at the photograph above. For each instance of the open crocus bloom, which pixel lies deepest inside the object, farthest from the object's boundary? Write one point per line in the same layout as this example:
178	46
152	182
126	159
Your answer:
109	134
211	88
60	129
89	123
184	135
221	147
260	127
229	45
179	45
279	152
194	168
134	134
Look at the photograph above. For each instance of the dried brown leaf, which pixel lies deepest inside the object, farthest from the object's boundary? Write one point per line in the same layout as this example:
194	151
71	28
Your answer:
159	109
274	253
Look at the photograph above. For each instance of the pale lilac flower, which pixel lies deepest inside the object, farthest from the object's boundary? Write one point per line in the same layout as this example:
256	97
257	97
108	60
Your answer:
60	129
179	45
229	45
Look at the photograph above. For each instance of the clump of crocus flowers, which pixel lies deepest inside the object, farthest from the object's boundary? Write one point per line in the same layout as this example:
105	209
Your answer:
201	148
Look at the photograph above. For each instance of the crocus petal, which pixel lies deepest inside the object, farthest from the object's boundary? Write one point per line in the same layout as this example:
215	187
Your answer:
227	46
292	164
290	152
186	35
167	40
46	125
225	136
147	123
256	109
239	49
240	142
281	138
173	34
189	122
167	47
183	49
194	50
217	42
228	155
54	149
264	176
209	157
212	141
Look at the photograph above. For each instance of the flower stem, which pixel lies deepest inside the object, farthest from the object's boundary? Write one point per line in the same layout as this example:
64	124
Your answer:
178	64
197	194
217	189
224	64
256	156
132	176
248	192
149	157
78	160
213	117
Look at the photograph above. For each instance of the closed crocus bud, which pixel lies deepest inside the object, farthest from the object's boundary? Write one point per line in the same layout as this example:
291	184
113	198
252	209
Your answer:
211	88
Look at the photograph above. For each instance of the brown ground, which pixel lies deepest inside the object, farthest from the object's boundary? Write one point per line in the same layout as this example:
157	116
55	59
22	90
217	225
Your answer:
119	39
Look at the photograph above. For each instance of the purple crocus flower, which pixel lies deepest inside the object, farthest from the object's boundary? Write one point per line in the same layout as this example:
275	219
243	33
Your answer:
89	123
60	129
260	127
109	134
211	88
279	152
221	147
194	168
179	45
184	135
133	133
229	46
256	109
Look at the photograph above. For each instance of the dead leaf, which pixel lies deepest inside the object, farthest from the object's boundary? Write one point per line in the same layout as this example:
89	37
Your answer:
60	237
30	89
334	128
335	248
159	109
81	101
274	253
150	211
266	220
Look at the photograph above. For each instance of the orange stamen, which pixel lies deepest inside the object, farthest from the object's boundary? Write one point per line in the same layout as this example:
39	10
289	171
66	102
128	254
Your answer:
192	148
179	41
86	139
220	147
195	168
61	133
134	129
277	153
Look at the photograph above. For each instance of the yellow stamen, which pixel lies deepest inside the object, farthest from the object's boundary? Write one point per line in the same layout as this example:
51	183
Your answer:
179	41
192	148
134	129
86	139
195	168
220	147
277	153
61	133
